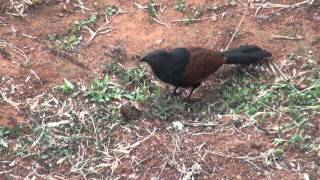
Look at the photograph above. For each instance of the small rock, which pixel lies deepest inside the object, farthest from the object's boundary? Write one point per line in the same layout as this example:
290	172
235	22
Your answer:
177	125
60	14
213	18
13	163
159	41
237	123
301	86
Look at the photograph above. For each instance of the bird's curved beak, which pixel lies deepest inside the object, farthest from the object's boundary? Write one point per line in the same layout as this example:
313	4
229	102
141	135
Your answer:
143	59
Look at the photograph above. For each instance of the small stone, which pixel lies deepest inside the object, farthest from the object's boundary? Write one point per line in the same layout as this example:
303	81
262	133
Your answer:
12	163
301	86
292	165
159	41
177	125
213	18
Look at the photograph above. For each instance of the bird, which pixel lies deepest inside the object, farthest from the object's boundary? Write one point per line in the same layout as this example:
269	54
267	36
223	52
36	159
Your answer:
188	67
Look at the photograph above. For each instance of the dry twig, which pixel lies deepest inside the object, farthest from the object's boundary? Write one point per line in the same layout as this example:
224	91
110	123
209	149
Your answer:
156	19
212	18
104	29
18	50
298	37
9	101
281	6
236	31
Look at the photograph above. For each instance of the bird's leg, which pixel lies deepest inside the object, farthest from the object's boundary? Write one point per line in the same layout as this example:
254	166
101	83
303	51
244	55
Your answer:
174	93
192	90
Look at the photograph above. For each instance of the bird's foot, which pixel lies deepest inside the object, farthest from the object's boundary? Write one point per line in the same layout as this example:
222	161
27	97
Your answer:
192	98
175	93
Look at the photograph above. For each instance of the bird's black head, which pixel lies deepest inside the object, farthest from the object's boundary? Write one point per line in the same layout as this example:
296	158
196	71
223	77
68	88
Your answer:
155	56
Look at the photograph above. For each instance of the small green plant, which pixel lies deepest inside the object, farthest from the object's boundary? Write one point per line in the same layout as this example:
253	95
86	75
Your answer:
188	21
71	40
232	2
55	151
197	12
278	141
23	144
297	138
104	90
152	9
237	35
43	133
180	6
68	43
4	132
136	75
78	25
66	87
112	10
3	145
139	84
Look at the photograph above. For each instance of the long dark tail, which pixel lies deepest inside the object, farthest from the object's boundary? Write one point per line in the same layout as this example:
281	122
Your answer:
246	54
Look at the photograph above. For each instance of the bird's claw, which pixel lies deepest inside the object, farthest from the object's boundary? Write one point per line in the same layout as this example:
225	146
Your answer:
176	94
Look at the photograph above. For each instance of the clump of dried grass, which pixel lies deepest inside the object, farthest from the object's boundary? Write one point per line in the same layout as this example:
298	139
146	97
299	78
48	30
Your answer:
20	7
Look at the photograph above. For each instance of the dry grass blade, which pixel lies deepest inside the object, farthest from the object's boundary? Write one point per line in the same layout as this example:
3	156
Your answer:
114	156
9	101
238	27
18	50
81	6
104	29
233	157
19	7
128	149
212	18
268	5
288	37
200	124
160	22
156	18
